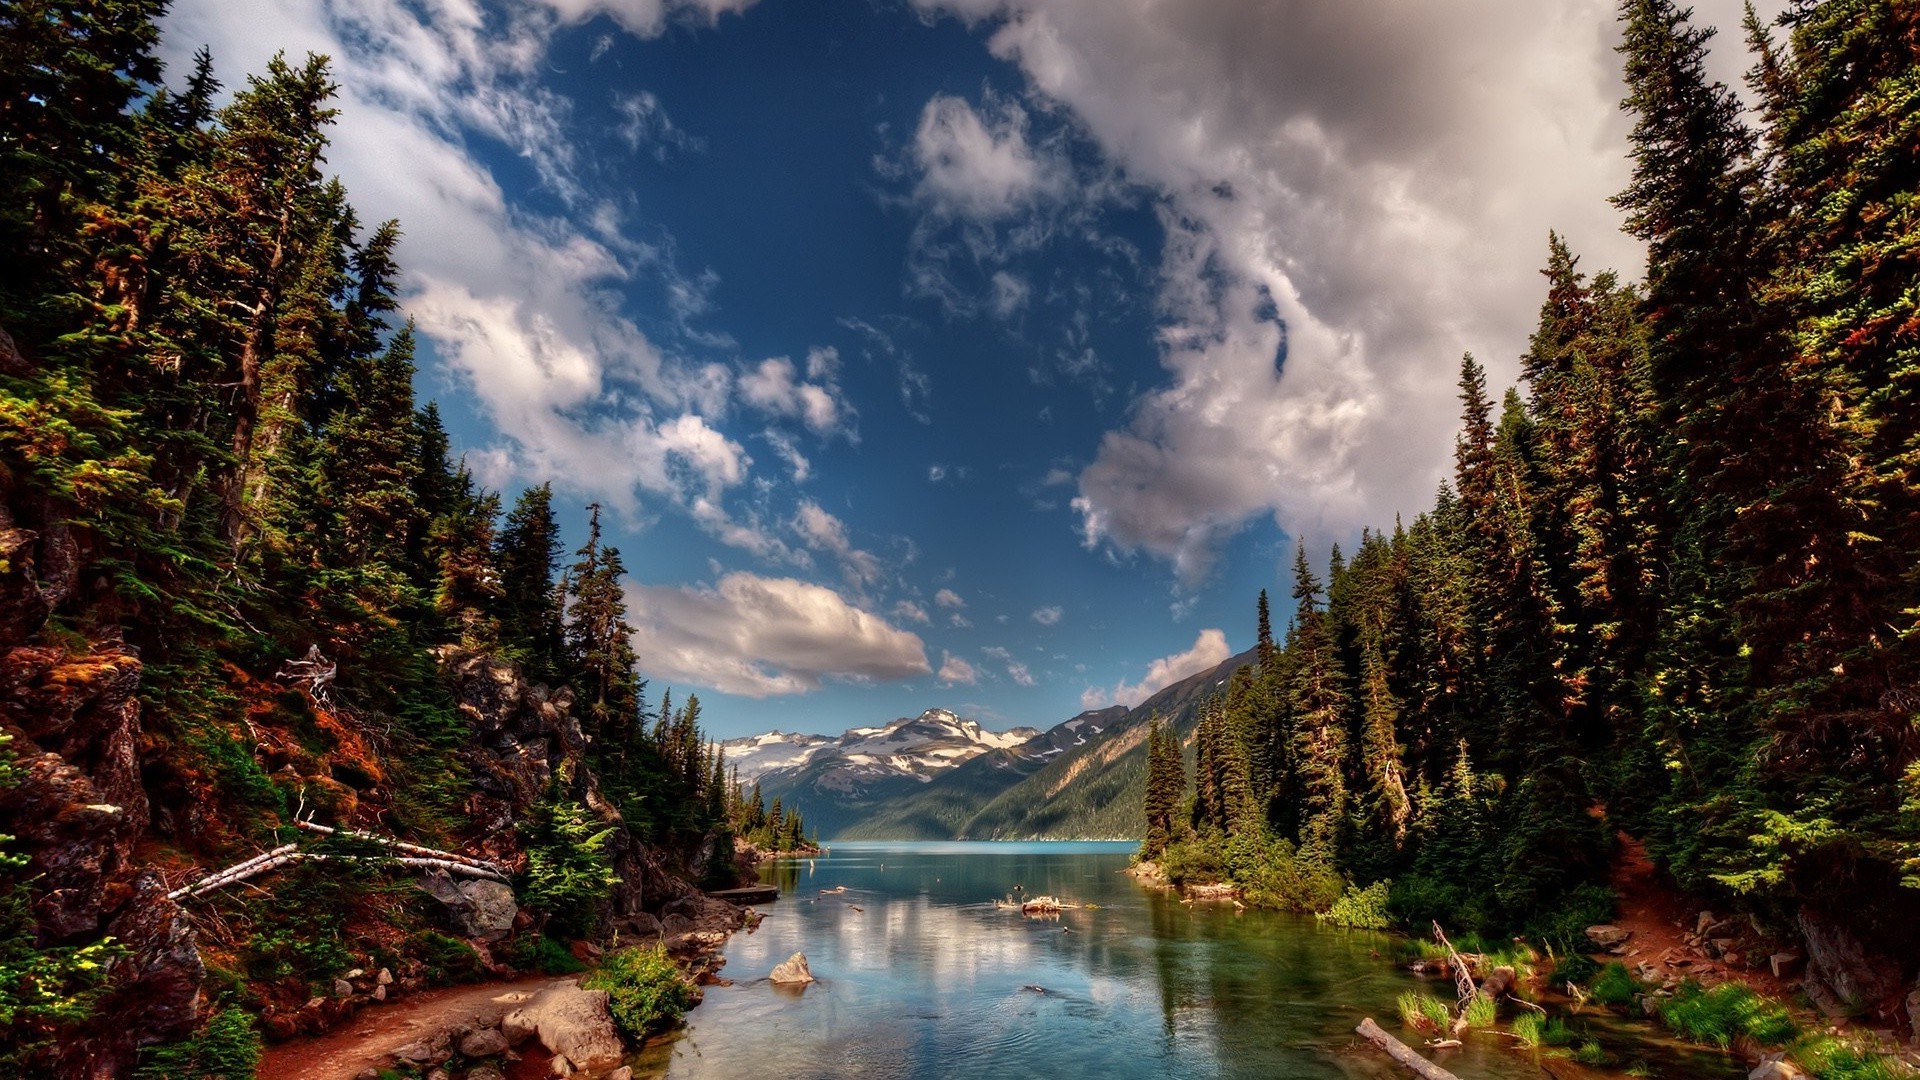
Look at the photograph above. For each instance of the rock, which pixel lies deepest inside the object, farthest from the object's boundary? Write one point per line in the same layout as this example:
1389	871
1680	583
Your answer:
572	1023
437	1073
429	1051
624	1072
517	1028
476	907
485	1072
1784	964
675	925
1607	936
367	1074
483	1043
379	993
1776	1067
792	970
385	978
342	988
1702	921
1841	973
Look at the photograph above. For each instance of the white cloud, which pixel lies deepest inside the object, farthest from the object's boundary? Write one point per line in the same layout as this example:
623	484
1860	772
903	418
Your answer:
1208	650
936	473
759	637
823	532
959	621
797	464
1010	294
912	612
1048	616
645	125
947	598
647	18
953	670
775	388
1019	673
979	165
1378	176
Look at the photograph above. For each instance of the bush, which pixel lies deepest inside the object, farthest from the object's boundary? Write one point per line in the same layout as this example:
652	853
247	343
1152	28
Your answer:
552	958
568	876
448	959
1724	1013
1564	929
1576	968
1615	985
1362	909
646	992
228	1048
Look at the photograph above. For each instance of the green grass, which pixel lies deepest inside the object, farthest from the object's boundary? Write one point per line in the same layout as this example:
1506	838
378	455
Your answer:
1424	1012
1615	985
1830	1058
1592	1053
1718	1016
1535	1030
1482	1012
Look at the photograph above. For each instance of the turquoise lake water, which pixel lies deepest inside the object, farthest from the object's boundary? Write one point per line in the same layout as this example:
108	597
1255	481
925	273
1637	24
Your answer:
920	975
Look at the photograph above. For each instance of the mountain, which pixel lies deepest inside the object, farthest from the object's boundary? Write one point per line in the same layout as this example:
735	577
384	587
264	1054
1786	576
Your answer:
1089	784
837	781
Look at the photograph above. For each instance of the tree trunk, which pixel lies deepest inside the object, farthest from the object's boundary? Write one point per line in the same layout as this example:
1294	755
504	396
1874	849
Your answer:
1402	1053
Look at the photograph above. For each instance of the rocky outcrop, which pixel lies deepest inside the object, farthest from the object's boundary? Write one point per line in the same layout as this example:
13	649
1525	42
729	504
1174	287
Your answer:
1842	973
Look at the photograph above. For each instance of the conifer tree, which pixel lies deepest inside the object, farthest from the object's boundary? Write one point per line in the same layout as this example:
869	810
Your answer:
531	601
1320	735
599	641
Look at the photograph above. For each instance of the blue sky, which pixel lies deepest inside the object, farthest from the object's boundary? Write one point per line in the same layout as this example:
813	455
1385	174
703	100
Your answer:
984	354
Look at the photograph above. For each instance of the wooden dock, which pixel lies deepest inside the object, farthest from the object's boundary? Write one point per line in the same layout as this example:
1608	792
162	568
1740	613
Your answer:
752	894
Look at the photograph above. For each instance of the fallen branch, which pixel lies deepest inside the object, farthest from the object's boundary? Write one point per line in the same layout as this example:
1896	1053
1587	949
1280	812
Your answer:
288	854
239	871
1401	1052
1462	975
402	845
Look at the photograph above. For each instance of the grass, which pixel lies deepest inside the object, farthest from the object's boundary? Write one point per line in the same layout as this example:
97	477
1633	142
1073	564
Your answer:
1615	985
1535	1030
1592	1053
1718	1016
1830	1058
1482	1012
1424	1012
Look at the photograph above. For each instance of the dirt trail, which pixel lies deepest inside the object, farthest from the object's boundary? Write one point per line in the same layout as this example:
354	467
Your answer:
367	1039
1660	917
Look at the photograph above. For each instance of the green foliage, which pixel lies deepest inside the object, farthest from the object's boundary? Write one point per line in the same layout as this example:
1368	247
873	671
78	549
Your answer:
1616	986
1424	1012
1577	969
447	958
1482	1012
1562	927
1831	1058
646	992
568	876
1724	1013
1533	1031
1363	909
1593	1054
227	1048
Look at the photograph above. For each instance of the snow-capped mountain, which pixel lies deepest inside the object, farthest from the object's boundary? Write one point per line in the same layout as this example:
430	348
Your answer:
919	747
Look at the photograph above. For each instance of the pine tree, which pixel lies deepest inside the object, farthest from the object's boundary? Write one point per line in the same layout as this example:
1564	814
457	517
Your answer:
599	641
1166	787
1320	734
531	601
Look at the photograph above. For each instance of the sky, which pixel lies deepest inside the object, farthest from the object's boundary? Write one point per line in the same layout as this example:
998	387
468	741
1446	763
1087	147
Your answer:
988	355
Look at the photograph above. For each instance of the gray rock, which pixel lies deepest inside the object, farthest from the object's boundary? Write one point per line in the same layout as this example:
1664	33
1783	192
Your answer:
385	978
792	970
485	1072
483	1043
367	1074
1607	935
342	988
573	1024
1776	1067
1841	973
431	1051
477	907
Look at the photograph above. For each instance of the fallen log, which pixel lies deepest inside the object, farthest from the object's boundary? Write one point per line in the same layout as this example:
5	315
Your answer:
402	845
1402	1053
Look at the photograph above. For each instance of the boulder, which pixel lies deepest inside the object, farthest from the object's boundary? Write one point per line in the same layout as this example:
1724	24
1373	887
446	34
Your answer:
485	1042
430	1051
476	907
1841	973
485	1072
1607	936
573	1024
792	970
1776	1067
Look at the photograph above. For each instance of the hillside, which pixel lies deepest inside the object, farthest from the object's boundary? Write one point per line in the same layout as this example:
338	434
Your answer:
1093	790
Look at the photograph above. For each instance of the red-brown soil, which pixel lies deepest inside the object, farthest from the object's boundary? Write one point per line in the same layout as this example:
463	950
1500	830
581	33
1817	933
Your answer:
368	1040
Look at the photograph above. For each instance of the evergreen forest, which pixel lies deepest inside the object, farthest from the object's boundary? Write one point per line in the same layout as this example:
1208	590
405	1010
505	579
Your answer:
1672	591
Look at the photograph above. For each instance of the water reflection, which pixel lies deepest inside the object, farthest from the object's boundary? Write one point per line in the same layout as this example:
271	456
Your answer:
921	975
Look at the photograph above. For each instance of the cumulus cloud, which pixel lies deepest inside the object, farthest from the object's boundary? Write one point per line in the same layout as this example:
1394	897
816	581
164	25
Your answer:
1208	650
947	598
1353	193
953	670
1019	673
1048	616
911	612
761	636
777	388
823	532
978	163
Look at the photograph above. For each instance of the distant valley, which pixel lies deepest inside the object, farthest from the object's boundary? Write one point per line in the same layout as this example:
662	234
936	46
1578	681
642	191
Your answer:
940	776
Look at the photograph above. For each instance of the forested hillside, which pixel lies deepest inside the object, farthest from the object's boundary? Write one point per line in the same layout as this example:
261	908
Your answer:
243	579
1673	588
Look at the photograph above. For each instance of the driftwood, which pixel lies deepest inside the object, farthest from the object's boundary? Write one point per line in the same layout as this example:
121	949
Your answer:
1402	1053
1462	974
423	858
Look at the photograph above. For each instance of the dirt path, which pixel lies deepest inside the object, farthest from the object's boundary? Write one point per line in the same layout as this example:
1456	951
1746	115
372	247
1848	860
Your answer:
1661	917
366	1040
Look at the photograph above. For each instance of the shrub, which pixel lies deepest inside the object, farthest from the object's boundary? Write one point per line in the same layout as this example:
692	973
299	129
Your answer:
1724	1013
1615	985
1362	909
448	959
646	992
552	958
228	1048
1564	929
1576	968
568	875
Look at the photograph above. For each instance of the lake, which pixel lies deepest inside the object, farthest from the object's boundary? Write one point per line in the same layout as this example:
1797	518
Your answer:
920	975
